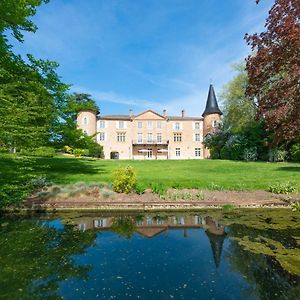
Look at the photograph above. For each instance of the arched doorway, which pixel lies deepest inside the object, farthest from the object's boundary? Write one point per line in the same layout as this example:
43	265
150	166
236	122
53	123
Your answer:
114	155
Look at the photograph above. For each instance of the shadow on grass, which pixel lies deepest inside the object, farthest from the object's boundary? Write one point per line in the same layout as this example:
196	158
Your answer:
18	169
289	169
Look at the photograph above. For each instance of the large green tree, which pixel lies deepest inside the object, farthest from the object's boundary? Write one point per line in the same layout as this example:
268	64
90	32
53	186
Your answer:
31	92
238	108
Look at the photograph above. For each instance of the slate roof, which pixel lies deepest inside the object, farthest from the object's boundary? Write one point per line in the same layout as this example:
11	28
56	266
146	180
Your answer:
211	103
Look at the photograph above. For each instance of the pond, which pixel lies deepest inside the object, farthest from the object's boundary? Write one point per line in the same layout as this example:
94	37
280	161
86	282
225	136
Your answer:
210	254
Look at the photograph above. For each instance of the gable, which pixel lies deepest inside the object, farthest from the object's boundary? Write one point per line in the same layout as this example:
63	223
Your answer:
149	115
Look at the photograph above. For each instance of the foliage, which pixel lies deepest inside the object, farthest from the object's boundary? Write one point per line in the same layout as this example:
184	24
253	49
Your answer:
295	206
158	188
250	154
124	180
238	108
39	183
123	226
36	257
140	188
228	207
274	70
79	152
68	149
276	155
43	151
283	188
295	152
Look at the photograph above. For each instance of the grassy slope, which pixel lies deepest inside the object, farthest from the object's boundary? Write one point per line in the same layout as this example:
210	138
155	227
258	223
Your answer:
185	173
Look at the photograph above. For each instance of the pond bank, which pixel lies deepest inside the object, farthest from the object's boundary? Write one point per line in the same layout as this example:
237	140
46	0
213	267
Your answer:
150	201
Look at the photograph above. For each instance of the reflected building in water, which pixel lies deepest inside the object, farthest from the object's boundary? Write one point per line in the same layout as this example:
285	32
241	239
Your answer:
150	226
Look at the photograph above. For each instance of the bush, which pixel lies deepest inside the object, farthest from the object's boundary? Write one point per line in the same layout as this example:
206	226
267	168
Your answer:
39	182
295	152
283	188
250	154
96	150
79	152
140	189
68	149
124	180
277	155
158	189
41	151
44	151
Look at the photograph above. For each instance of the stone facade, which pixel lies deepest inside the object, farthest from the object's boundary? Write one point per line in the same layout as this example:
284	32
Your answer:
150	135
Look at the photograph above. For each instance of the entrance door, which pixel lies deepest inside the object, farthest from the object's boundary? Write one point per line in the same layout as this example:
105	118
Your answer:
149	153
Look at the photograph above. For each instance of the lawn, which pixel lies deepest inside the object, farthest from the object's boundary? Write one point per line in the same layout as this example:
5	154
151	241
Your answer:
213	174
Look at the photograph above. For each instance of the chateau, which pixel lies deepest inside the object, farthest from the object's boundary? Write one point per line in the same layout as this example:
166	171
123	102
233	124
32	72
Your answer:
151	135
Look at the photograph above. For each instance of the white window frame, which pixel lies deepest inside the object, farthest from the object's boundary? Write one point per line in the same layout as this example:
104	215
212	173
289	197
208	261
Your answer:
85	121
177	152
159	137
121	137
140	124
159	125
197	137
177	137
101	136
197	152
102	124
140	138
149	125
149	137
177	126
197	126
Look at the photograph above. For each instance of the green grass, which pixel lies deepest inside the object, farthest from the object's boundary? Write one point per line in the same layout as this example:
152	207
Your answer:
213	174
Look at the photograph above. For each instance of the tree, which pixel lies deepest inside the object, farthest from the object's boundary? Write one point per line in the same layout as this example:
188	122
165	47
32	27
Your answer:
31	93
238	108
274	70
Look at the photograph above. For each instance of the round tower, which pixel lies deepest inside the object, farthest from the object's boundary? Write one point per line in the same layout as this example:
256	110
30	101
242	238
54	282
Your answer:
87	121
212	116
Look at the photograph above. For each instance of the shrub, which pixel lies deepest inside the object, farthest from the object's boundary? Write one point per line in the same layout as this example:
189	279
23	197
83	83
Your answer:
44	151
96	150
295	152
296	206
140	188
283	188
41	151
250	154
158	188
277	155
200	195
68	149
124	180
79	152
228	207
39	182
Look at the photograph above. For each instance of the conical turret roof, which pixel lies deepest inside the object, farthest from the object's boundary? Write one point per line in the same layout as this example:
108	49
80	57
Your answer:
211	103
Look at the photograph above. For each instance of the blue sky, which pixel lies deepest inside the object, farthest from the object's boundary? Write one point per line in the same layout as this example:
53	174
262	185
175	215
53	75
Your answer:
145	54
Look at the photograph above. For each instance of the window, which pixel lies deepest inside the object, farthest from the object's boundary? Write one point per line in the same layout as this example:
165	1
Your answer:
177	152
160	221
102	124
149	221
121	137
159	140
139	222
149	124
101	136
85	132
82	227
121	124
149	137
178	220
177	137
159	124
85	120
214	123
140	124
198	152
197	137
100	223
177	126
140	138
197	125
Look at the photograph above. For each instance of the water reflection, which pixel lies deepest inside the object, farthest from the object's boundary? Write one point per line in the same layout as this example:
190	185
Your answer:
151	226
150	256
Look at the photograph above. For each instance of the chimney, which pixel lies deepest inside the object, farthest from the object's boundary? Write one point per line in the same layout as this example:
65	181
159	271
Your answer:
164	113
130	113
183	113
